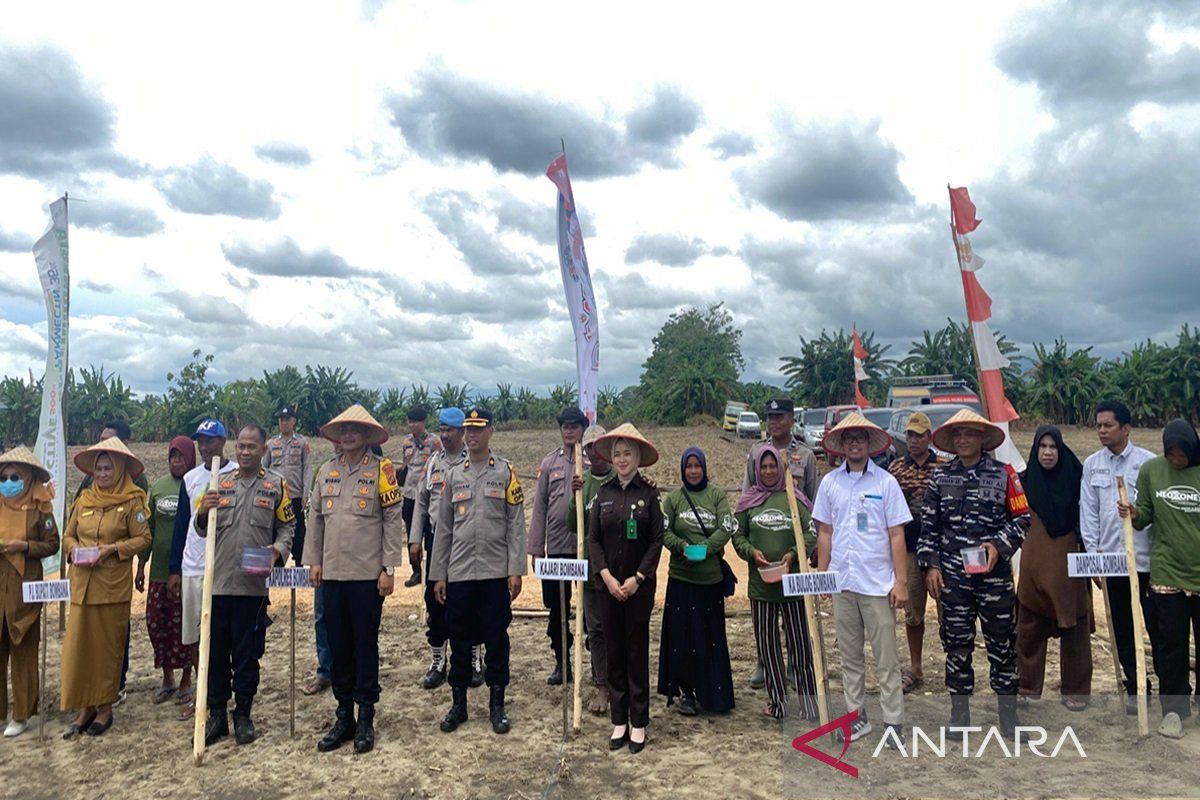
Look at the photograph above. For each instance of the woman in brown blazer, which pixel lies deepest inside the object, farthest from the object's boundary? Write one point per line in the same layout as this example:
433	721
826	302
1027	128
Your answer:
110	516
27	535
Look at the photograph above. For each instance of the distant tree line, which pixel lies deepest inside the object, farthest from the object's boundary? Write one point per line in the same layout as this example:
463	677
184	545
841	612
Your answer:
694	367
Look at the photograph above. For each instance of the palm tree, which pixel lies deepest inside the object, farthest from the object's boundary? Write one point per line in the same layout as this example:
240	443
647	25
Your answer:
823	373
564	396
327	393
504	403
449	395
1065	385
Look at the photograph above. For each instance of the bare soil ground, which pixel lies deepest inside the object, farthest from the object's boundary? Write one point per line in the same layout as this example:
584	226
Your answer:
148	753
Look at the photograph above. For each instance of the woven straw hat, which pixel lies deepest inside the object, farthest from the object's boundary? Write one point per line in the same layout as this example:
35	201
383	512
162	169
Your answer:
877	438
376	434
23	455
86	461
593	433
993	435
603	445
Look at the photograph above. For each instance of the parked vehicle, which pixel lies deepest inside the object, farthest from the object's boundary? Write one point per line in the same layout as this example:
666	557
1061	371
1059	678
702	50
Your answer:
733	409
937	413
920	390
798	424
813	425
749	426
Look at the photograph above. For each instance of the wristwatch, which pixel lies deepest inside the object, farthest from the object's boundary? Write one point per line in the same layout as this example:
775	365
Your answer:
639	577
389	571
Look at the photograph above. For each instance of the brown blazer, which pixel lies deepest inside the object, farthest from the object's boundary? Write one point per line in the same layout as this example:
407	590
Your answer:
42	536
111	581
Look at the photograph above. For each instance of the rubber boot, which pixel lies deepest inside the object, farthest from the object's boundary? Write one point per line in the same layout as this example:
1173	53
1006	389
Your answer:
1007	706
496	714
364	732
960	711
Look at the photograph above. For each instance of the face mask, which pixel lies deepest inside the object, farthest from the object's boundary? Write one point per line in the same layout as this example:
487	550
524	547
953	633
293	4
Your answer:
12	488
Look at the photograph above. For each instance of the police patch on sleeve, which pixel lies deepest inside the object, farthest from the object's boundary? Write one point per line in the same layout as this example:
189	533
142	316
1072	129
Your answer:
513	494
389	488
284	511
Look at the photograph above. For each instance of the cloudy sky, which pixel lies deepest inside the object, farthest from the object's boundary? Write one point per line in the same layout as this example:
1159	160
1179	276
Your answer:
362	184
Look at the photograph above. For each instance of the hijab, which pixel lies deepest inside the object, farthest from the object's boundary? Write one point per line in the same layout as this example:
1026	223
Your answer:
187	449
758	492
1180	435
15	512
1053	494
699	454
123	489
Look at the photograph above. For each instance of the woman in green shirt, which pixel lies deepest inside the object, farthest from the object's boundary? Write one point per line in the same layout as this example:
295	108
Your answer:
693	655
1168	497
764	537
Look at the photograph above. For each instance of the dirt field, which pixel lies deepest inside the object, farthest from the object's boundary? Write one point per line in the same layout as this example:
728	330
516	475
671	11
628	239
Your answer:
148	752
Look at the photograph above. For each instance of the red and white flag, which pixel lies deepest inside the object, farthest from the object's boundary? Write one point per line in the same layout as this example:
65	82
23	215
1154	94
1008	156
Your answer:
979	311
577	283
860	374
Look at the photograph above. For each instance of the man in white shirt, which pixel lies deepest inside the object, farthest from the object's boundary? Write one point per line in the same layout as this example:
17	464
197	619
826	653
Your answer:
1103	532
860	513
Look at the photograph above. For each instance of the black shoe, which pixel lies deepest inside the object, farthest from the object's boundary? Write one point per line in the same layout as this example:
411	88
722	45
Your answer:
499	719
216	729
1006	704
243	730
457	714
415	579
687	705
636	747
556	677
434	678
74	730
364	736
618	743
960	711
341	732
99	728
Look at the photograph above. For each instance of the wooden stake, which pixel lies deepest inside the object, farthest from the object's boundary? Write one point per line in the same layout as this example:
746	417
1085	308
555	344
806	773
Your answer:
578	706
810	611
1139	622
292	669
210	550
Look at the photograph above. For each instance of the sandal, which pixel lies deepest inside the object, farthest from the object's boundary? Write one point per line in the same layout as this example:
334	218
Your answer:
186	695
1074	704
771	712
909	680
186	711
163	694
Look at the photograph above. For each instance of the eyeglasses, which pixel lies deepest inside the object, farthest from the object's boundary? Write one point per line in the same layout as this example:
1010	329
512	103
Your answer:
14	477
850	438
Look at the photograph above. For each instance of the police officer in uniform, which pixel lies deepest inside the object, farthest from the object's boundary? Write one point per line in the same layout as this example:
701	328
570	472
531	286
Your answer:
290	455
415	451
254	510
802	464
430	493
548	532
354	546
974	501
477	563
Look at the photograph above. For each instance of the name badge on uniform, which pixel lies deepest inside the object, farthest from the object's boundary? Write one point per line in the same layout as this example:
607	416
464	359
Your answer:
862	521
631	529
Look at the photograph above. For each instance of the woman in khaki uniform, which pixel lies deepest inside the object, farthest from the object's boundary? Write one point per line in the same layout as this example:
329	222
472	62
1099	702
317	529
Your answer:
27	535
111	515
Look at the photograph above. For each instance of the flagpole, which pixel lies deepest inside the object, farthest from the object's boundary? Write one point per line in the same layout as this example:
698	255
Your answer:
63	400
970	328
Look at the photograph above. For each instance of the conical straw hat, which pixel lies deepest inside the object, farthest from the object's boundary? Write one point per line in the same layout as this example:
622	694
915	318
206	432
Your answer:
943	437
86	461
603	445
23	455
877	438
332	430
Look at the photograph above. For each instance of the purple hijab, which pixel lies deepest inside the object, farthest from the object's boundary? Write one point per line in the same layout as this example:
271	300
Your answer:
758	492
699	454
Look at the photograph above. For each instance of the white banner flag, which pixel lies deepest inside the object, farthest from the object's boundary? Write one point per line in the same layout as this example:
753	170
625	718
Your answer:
50	253
577	283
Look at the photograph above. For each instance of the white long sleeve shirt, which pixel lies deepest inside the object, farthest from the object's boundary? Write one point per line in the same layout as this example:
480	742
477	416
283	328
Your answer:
1099	523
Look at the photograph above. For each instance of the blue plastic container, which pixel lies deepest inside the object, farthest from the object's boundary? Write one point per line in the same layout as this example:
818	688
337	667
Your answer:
695	552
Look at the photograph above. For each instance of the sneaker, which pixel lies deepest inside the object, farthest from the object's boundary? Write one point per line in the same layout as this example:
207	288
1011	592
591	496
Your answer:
858	729
896	740
16	728
1171	726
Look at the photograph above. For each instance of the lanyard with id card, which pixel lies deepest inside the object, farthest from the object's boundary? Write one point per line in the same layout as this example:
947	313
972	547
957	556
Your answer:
631	526
863	518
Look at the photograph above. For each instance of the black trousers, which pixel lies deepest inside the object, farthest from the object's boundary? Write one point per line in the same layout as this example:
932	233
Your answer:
352	613
627	638
298	539
1177	613
1122	620
237	639
478	612
436	632
550	600
406	513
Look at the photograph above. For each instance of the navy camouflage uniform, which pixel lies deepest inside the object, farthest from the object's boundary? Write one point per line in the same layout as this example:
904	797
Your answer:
966	507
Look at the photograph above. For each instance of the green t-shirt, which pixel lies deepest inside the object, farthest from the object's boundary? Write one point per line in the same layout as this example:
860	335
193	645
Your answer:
591	485
768	527
163	501
681	528
1169	499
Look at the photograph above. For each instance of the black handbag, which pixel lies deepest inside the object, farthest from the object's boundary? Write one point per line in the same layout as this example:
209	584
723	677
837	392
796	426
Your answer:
728	579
